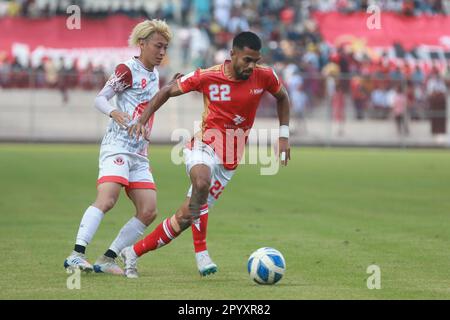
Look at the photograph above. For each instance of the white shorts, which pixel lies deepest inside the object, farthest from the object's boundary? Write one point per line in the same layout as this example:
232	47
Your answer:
202	153
129	169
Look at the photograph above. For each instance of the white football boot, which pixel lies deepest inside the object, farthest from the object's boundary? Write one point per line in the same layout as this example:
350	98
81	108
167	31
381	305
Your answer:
130	258
77	260
106	264
204	263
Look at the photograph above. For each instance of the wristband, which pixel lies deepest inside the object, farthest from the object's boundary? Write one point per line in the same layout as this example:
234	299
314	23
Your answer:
284	131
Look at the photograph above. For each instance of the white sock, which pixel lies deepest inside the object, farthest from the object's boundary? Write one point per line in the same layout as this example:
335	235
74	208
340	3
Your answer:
128	235
89	225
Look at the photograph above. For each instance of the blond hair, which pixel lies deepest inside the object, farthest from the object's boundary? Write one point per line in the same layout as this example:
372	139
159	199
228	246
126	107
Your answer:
146	28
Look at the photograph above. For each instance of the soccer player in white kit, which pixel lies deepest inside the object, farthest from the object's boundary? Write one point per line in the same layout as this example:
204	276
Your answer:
123	161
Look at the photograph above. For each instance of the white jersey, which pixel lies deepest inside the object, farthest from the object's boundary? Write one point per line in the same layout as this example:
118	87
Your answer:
135	86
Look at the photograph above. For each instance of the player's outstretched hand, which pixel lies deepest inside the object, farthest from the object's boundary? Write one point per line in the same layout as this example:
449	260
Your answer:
122	118
176	77
136	129
284	151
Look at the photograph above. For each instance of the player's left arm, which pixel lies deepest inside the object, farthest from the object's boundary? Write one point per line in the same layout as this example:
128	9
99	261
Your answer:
283	108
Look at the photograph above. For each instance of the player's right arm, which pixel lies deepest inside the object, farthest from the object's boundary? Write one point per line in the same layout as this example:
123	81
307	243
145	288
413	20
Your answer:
119	81
101	103
179	85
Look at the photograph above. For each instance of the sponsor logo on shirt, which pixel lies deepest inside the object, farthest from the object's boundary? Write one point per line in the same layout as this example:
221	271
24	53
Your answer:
256	91
238	119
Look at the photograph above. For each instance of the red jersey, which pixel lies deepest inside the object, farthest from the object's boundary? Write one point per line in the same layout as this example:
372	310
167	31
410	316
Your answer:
230	106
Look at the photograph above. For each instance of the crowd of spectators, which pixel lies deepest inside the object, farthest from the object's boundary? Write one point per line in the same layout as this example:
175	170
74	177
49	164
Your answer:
138	8
313	72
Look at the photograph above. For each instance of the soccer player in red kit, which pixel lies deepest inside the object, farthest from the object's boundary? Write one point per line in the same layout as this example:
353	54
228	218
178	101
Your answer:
232	92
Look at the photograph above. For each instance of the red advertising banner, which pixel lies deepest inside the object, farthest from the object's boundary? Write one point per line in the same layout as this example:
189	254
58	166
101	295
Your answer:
410	32
53	33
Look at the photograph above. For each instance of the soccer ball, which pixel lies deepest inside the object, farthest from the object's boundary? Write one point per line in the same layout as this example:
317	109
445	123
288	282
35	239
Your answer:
266	266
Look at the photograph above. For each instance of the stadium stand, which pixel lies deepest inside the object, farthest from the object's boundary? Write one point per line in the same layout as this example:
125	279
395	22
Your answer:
307	43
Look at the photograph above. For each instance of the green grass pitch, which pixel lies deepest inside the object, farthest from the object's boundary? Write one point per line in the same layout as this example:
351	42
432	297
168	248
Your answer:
331	212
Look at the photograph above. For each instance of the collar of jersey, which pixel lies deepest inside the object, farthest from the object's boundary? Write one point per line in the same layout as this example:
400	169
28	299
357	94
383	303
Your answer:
140	62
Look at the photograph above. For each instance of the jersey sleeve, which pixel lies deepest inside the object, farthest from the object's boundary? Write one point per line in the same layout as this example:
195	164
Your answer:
273	83
190	82
101	101
121	79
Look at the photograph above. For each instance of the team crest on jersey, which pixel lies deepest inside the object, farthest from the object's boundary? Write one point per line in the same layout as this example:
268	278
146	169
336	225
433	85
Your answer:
238	119
144	83
119	161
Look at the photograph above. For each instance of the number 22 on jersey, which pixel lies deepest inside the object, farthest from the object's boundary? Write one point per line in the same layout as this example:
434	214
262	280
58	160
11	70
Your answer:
219	93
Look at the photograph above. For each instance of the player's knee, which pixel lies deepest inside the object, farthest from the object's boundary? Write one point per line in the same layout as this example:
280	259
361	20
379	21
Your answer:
201	186
147	216
105	204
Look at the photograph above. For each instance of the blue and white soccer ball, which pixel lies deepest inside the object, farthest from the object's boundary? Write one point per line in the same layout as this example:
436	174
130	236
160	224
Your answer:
266	266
